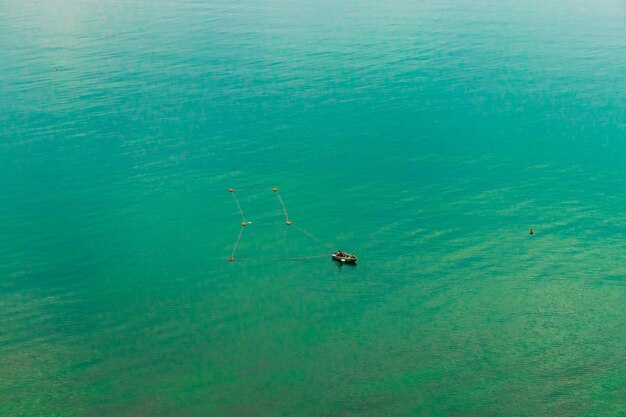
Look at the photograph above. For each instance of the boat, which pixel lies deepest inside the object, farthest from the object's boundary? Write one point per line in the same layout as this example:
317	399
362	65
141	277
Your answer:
344	258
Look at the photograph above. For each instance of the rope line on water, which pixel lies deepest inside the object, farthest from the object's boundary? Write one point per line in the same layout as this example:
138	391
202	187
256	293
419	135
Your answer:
243	218
232	255
287	221
312	236
295	258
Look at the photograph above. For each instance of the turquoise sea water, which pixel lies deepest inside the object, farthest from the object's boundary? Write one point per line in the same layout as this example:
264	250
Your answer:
428	136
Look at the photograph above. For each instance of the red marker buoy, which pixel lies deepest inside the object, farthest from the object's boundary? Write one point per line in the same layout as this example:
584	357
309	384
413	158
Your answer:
230	190
243	224
531	232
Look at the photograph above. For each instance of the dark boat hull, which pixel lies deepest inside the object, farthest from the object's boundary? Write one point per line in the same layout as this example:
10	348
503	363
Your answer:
344	259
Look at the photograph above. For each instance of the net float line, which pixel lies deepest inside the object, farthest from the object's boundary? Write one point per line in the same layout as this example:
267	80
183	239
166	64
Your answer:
243	218
287	221
243	224
232	255
295	258
312	236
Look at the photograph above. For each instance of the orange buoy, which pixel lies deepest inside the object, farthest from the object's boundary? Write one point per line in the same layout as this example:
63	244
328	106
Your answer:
288	222
243	224
532	232
275	189
231	259
230	190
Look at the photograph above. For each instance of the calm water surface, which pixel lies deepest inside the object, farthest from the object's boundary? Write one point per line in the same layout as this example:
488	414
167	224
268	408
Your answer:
427	136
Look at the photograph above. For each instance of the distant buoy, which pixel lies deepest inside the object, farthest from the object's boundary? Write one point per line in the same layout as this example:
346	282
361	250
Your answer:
275	189
288	222
244	224
230	190
231	259
531	232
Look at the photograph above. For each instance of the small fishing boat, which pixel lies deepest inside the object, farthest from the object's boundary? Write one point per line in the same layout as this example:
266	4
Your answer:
344	258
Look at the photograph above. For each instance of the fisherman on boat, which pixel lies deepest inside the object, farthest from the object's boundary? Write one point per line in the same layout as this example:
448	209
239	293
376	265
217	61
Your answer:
343	257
